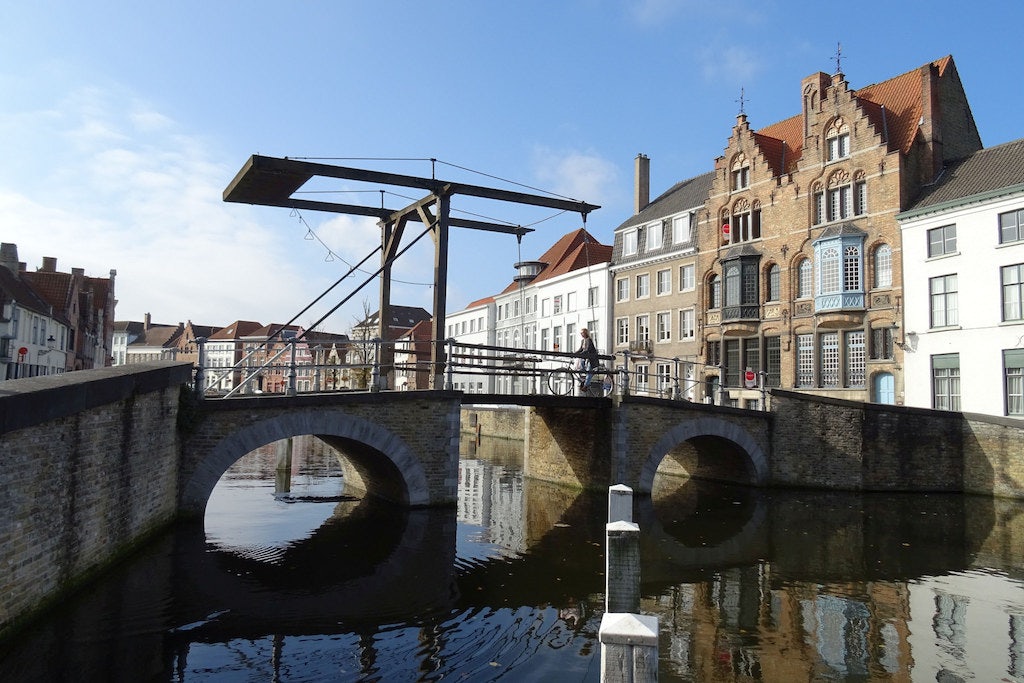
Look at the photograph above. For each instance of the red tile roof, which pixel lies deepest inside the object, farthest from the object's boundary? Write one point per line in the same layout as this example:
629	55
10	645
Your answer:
902	97
575	250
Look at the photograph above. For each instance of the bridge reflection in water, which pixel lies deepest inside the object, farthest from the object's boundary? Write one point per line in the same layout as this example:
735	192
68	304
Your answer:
748	585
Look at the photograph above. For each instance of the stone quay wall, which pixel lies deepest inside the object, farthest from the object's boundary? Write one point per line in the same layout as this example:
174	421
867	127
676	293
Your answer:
503	422
90	463
831	443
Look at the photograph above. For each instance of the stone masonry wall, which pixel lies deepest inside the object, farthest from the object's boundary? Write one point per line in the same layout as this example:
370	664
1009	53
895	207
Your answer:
90	464
829	443
506	422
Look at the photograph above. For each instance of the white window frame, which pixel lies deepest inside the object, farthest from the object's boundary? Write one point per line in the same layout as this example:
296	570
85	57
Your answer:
663	282
643	285
663	322
687	324
630	242
687	277
622	289
655	236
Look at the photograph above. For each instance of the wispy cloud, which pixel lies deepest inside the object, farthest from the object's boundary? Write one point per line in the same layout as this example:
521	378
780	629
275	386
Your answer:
585	176
110	183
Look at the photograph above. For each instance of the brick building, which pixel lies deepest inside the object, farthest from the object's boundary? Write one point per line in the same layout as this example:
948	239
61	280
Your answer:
798	247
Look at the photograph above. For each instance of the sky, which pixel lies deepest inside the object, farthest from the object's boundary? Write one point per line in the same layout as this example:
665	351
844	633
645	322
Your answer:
121	124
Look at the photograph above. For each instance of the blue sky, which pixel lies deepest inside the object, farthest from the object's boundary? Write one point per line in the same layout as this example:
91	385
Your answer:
122	123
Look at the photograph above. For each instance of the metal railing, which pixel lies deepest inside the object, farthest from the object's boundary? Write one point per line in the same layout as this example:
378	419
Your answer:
298	366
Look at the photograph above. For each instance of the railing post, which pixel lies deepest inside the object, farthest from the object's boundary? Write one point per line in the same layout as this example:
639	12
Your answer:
290	391
200	381
620	503
624	382
676	392
375	373
449	367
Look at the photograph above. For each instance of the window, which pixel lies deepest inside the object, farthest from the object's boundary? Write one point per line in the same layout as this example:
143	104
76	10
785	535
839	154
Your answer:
1013	368
642	374
842	200
643	285
714	292
942	241
713	354
856	367
840	269
830	376
837	140
570	302
882	343
686	278
745	222
545	307
741	298
643	328
803	281
592	297
942	291
946	381
621	331
687	328
515	310
882	266
1011	226
682	228
622	289
664	322
545	340
1013	292
557	304
556	337
629	242
664	282
772	286
570	337
655	237
663	376
740	173
773	361
851	268
804	360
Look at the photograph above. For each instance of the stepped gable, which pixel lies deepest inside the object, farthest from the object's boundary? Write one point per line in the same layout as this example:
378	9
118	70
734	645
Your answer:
237	329
902	97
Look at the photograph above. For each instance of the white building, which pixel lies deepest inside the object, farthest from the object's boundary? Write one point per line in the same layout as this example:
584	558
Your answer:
963	270
473	325
544	308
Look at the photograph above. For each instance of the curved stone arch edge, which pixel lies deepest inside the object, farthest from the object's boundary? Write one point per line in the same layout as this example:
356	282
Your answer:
706	426
195	492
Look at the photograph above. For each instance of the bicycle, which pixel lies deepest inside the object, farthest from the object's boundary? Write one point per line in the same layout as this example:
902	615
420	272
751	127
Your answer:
563	381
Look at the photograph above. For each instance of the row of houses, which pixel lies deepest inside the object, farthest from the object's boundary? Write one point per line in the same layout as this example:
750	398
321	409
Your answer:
866	248
52	322
249	357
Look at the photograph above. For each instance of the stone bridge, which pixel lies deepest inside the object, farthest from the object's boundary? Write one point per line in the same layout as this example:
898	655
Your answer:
399	446
97	460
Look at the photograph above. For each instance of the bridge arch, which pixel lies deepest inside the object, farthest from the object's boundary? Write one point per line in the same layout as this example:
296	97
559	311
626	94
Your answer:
704	428
385	464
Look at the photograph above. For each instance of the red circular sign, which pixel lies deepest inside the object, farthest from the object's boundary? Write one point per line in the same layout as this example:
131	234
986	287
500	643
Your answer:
749	375
725	229
22	351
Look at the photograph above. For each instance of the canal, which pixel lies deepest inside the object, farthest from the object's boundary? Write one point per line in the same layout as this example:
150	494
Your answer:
289	579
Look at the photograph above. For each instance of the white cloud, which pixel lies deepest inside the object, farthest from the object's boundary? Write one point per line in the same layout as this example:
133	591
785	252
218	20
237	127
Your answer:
733	64
584	176
130	191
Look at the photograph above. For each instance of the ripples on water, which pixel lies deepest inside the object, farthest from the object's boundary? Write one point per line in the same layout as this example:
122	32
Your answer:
306	584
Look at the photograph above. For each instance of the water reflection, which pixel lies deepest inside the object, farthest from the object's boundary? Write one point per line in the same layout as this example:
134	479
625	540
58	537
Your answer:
292	580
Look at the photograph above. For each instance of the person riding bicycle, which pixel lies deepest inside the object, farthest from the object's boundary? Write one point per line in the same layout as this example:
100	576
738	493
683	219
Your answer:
588	352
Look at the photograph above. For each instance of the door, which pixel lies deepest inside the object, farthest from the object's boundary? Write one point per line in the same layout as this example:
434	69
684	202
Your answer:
883	388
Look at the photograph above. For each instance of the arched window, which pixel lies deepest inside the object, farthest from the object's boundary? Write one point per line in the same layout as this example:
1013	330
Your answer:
714	292
740	173
851	268
837	140
828	271
804	280
772	285
882	266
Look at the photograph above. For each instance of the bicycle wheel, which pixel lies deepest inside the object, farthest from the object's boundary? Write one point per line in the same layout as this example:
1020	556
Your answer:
560	381
607	378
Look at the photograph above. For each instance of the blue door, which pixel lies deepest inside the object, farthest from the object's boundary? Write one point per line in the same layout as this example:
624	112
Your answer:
884	388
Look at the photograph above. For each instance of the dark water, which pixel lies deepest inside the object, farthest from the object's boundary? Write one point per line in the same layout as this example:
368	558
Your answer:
308	585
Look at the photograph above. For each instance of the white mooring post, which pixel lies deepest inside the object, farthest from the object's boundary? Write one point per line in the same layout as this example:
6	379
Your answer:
629	640
620	503
622	567
629	648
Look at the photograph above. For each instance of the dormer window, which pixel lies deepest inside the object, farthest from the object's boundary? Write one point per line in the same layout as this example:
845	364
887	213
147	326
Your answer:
740	173
629	243
837	140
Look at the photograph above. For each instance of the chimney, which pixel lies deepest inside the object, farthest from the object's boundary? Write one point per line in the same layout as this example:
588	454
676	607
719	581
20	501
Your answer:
49	264
642	183
145	321
79	272
9	257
